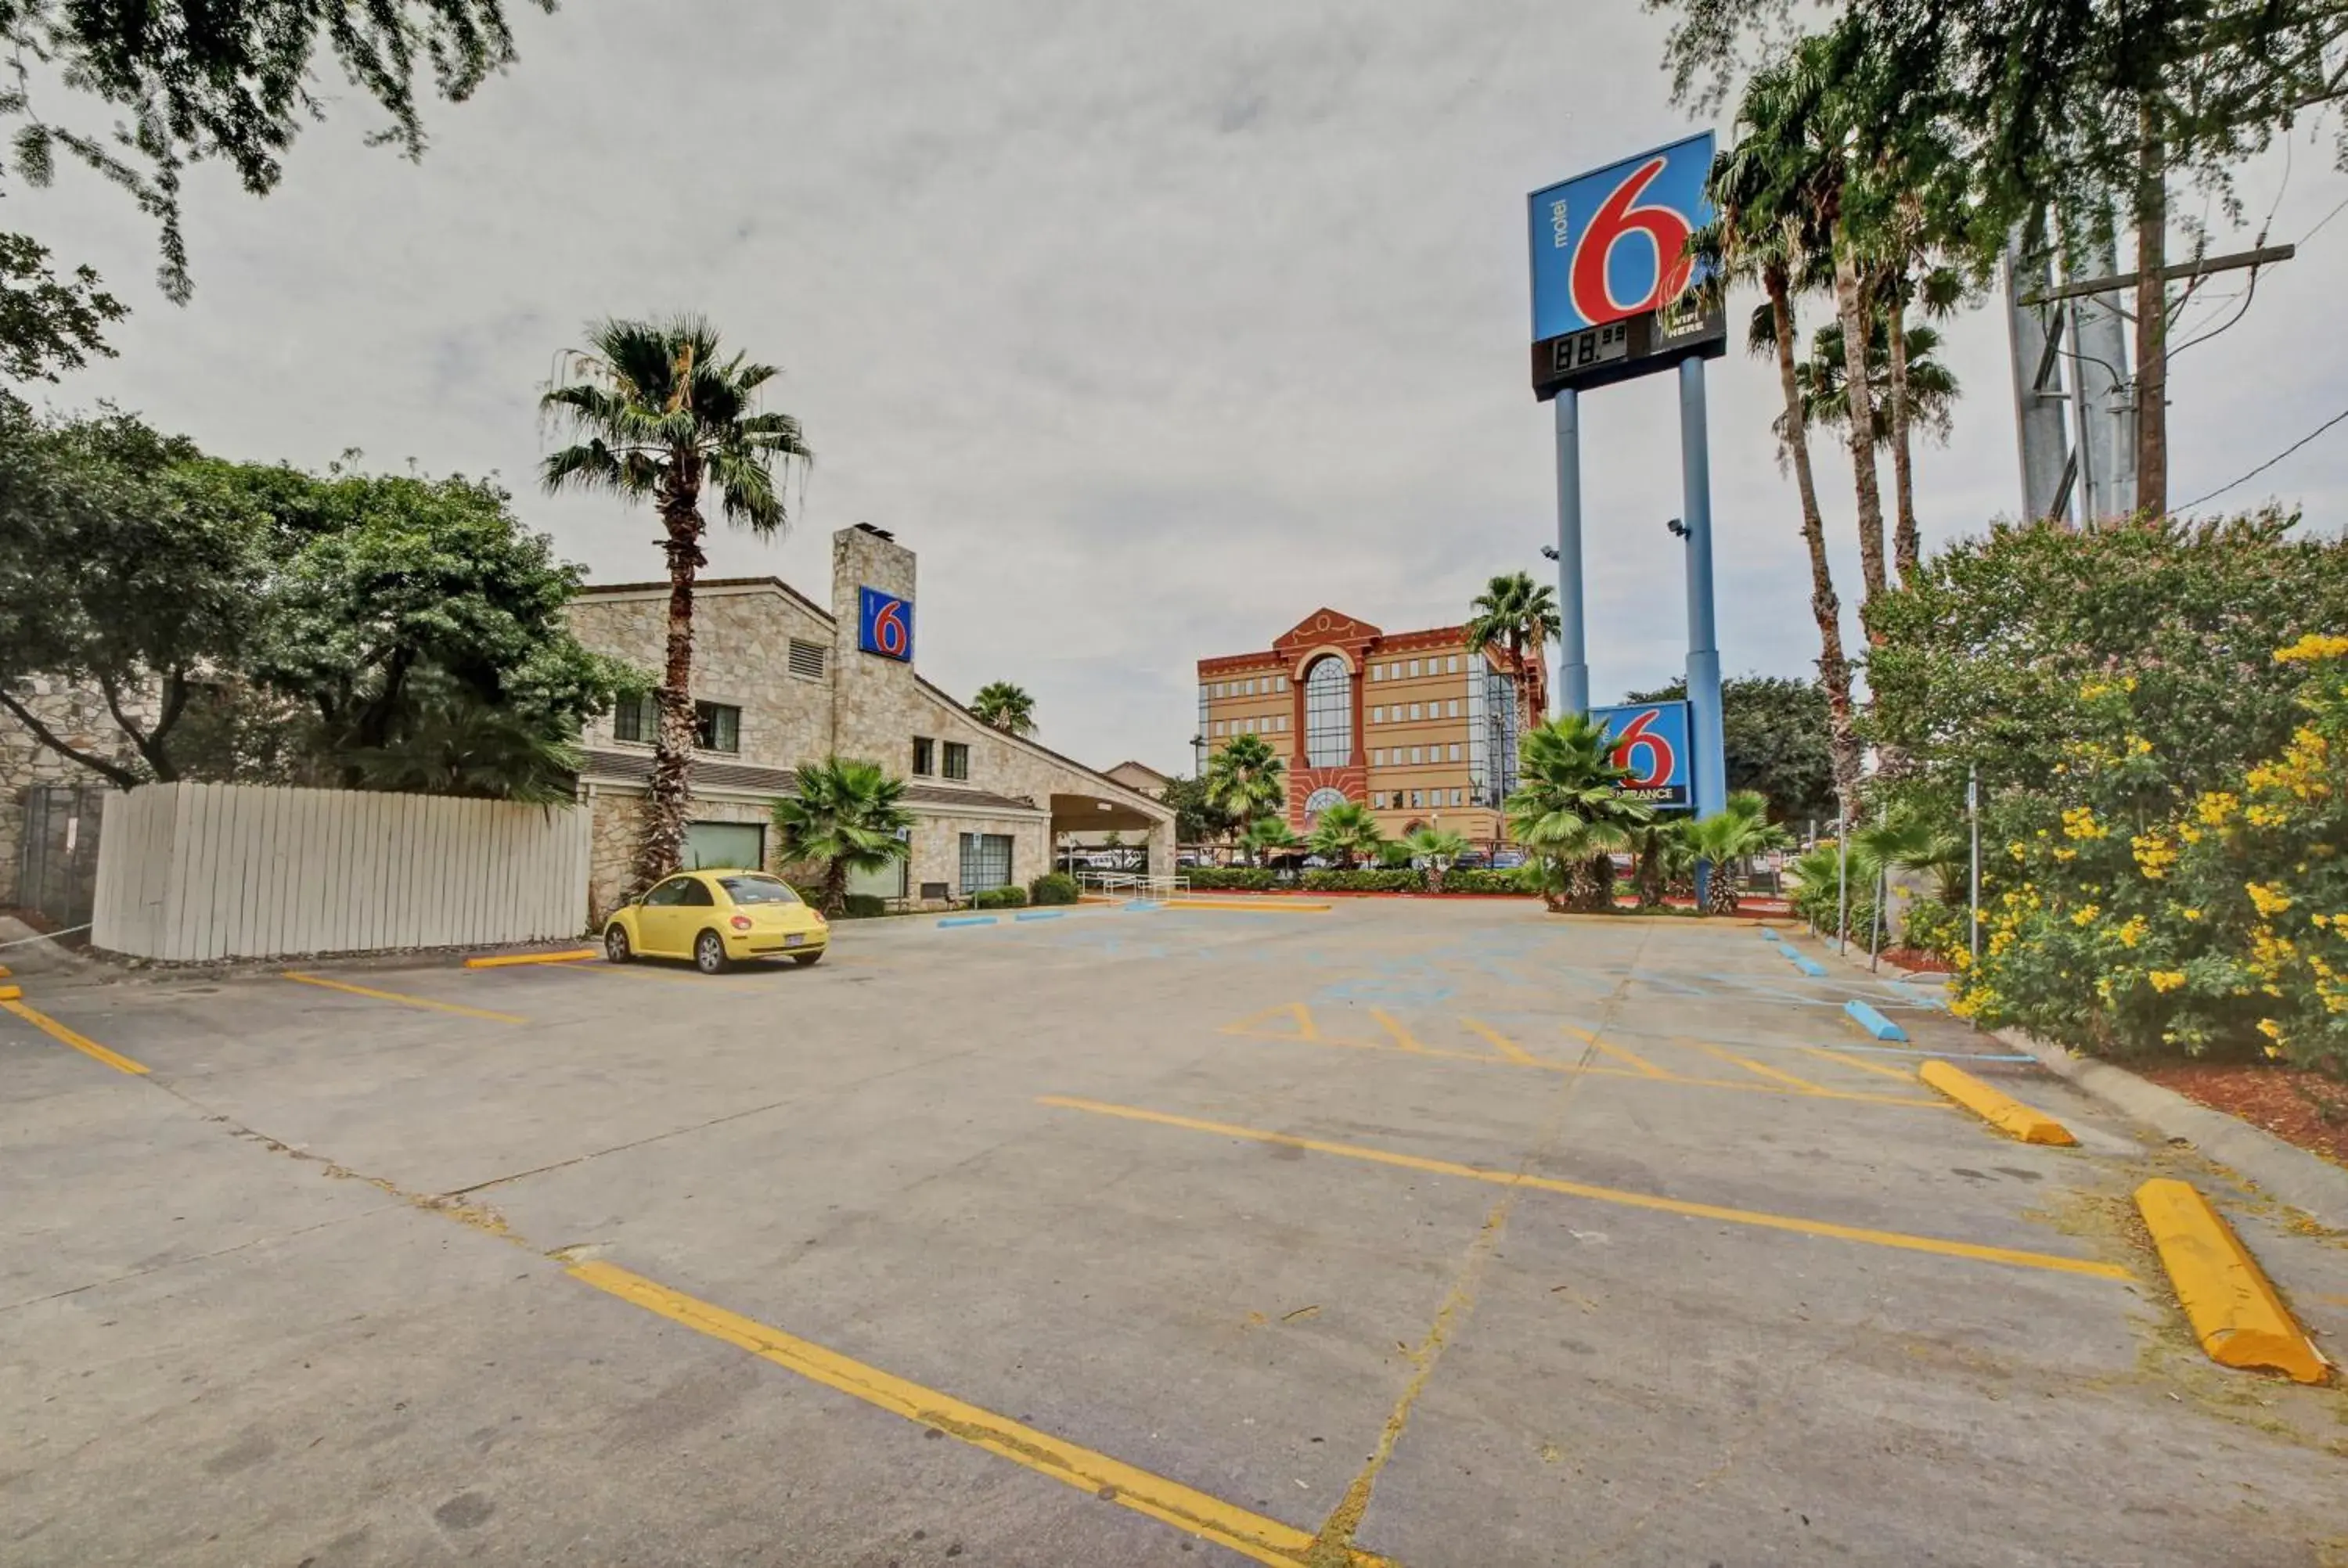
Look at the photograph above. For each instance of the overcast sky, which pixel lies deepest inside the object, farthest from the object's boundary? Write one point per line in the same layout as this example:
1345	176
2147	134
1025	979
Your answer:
1151	329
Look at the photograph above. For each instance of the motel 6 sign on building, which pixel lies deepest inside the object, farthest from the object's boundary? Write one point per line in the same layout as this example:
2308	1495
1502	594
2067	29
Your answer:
884	624
1612	285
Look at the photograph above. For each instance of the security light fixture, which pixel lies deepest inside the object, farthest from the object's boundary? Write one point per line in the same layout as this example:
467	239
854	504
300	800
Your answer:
1679	529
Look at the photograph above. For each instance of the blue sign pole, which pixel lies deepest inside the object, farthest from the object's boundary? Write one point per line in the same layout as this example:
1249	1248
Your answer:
1710	768
1573	656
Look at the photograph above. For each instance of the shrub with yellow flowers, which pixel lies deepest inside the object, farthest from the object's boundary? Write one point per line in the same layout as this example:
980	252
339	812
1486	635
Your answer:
2216	924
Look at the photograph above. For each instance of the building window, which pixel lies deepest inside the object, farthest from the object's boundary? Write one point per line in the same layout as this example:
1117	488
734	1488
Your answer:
636	719
1413	710
1328	714
1414	669
1280	683
1452	712
926	756
1417	798
717	727
1454	797
730	845
1451	665
958	762
985	859
1414	753
1455	752
807	659
1377	671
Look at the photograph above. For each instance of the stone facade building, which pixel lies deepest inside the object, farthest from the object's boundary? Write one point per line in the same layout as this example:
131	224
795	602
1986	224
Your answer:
1414	724
77	715
779	681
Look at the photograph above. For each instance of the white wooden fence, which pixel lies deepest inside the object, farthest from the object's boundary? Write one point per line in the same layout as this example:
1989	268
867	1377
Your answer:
189	871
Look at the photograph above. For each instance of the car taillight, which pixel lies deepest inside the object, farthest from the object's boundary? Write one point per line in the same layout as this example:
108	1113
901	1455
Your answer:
740	922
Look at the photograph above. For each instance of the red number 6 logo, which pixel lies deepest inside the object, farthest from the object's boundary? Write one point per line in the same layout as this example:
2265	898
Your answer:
1661	759
889	628
1617	216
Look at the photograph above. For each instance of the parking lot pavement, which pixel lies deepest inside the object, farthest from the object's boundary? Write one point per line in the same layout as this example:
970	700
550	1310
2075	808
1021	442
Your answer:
1401	1232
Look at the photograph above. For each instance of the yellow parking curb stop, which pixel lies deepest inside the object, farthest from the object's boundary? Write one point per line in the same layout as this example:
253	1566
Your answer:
11	993
499	960
2235	1312
2000	1110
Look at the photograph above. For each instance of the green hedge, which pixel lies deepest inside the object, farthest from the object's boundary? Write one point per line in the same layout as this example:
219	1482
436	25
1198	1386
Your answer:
999	898
1484	880
1365	882
1231	879
866	905
1054	887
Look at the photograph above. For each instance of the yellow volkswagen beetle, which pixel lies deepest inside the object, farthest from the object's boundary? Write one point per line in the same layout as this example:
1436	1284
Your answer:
715	917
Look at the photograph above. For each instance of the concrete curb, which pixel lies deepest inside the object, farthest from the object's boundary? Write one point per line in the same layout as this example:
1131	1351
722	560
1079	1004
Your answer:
2314	1186
2235	1312
2000	1110
503	960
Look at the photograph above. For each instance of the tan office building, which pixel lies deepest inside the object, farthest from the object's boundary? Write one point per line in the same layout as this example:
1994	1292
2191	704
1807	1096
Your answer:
1412	723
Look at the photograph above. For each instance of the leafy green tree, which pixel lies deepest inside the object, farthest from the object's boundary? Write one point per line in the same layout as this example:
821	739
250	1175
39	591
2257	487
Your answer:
1004	706
1265	834
186	82
664	416
1777	737
1438	849
1196	818
1245	779
423	629
1726	840
847	814
124	567
1344	833
48	324
1570	813
1512	613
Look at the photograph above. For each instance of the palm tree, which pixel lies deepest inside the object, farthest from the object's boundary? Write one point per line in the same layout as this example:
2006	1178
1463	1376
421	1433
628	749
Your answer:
1663	859
1439	848
1727	839
1766	232
849	815
1920	390
1343	832
1003	706
1245	780
1569	811
1266	833
1515	613
661	417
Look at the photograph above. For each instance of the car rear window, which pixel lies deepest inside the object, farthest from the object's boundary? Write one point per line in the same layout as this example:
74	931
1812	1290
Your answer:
758	890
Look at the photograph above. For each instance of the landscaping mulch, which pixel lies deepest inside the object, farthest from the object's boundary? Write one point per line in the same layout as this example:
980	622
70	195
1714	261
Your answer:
2300	1107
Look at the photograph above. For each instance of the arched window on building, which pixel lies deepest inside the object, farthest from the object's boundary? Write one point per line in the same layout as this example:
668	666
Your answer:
1319	801
1328	714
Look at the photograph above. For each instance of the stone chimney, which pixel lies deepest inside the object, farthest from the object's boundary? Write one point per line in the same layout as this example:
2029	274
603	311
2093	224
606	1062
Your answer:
874	703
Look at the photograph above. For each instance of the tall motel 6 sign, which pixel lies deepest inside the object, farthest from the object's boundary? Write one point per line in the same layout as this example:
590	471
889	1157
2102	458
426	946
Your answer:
1615	296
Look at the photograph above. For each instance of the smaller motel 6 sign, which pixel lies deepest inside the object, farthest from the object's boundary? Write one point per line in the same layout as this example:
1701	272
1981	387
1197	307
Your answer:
1651	738
884	624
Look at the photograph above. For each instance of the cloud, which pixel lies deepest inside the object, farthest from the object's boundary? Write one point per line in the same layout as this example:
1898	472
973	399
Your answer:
1150	329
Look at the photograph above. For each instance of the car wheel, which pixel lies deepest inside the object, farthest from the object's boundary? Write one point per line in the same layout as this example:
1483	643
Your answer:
808	960
615	944
709	953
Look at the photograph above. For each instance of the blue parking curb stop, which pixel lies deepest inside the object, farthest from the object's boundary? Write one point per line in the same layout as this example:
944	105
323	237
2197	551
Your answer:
1873	1022
967	920
1039	914
1804	963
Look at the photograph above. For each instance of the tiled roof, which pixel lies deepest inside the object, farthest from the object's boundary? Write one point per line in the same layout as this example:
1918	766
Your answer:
636	768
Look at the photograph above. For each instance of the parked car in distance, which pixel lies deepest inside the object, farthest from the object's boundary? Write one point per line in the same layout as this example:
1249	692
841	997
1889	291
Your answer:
717	918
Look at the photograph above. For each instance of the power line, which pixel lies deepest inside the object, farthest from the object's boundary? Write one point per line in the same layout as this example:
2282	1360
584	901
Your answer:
2268	464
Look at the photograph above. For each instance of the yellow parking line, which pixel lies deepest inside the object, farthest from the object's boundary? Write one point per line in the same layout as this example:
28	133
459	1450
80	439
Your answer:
1252	1535
1503	1044
2012	1256
1746	1062
404	998
1825	1054
1645	1068
82	1043
1646	1071
1403	1039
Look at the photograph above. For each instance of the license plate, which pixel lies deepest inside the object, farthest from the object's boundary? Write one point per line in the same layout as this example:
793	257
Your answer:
794	941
